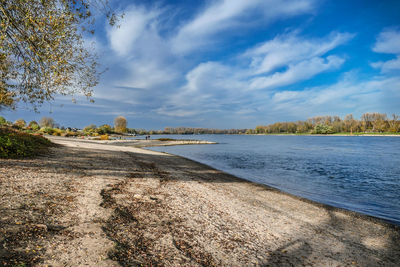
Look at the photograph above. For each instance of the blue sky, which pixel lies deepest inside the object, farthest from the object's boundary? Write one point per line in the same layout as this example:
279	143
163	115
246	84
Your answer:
238	64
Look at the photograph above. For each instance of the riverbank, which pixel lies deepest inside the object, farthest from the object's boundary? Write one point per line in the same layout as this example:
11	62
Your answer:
96	204
138	142
335	134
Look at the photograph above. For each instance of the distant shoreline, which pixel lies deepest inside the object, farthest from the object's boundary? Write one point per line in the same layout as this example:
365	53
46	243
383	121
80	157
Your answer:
350	135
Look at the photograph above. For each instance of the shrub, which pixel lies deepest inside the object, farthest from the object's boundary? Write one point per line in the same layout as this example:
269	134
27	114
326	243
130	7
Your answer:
89	130
35	127
2	120
70	133
20	123
57	132
104	137
47	130
16	144
104	129
322	129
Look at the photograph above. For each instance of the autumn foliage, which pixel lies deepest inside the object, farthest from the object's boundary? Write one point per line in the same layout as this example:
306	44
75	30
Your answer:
120	124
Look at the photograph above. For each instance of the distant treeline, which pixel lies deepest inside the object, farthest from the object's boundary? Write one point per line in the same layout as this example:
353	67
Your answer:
188	130
368	123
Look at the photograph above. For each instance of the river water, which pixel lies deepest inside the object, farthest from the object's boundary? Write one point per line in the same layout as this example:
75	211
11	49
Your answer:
356	173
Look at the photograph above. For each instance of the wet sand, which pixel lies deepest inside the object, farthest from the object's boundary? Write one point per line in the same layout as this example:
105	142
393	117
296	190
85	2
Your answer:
88	203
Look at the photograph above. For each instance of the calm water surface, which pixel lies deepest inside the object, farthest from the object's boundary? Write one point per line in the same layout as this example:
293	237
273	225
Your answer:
355	173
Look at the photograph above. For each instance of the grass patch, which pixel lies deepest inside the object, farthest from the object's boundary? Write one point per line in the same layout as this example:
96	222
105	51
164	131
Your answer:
17	144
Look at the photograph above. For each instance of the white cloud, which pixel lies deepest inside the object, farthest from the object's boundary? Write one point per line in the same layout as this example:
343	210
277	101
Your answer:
148	74
387	66
209	87
377	94
297	72
215	85
135	23
290	48
224	15
140	56
388	41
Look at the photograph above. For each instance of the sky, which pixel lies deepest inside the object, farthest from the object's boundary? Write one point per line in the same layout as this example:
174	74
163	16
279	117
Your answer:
238	64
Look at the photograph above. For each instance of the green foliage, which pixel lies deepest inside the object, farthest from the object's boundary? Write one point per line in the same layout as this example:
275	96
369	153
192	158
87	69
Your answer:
369	123
34	126
71	134
89	130
2	120
104	129
32	123
57	132
47	130
20	123
43	49
322	129
16	144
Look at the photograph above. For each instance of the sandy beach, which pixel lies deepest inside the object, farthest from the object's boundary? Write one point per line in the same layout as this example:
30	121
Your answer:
96	204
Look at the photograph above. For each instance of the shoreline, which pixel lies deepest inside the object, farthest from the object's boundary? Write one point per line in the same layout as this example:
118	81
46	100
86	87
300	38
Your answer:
303	199
144	144
112	205
350	135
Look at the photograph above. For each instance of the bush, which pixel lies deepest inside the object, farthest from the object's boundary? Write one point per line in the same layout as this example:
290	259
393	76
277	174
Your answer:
322	129
2	120
104	129
20	123
70	133
35	127
89	130
104	137
16	144
57	132
47	130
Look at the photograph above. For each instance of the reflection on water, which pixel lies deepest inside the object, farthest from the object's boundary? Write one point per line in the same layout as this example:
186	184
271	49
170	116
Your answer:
356	173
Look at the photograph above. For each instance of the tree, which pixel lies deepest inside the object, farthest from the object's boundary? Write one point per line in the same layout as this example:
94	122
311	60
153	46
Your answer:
366	121
42	52
323	129
120	124
33	125
20	123
47	122
90	129
104	129
394	124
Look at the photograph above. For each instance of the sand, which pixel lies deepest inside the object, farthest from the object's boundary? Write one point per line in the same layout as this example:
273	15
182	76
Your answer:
94	204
